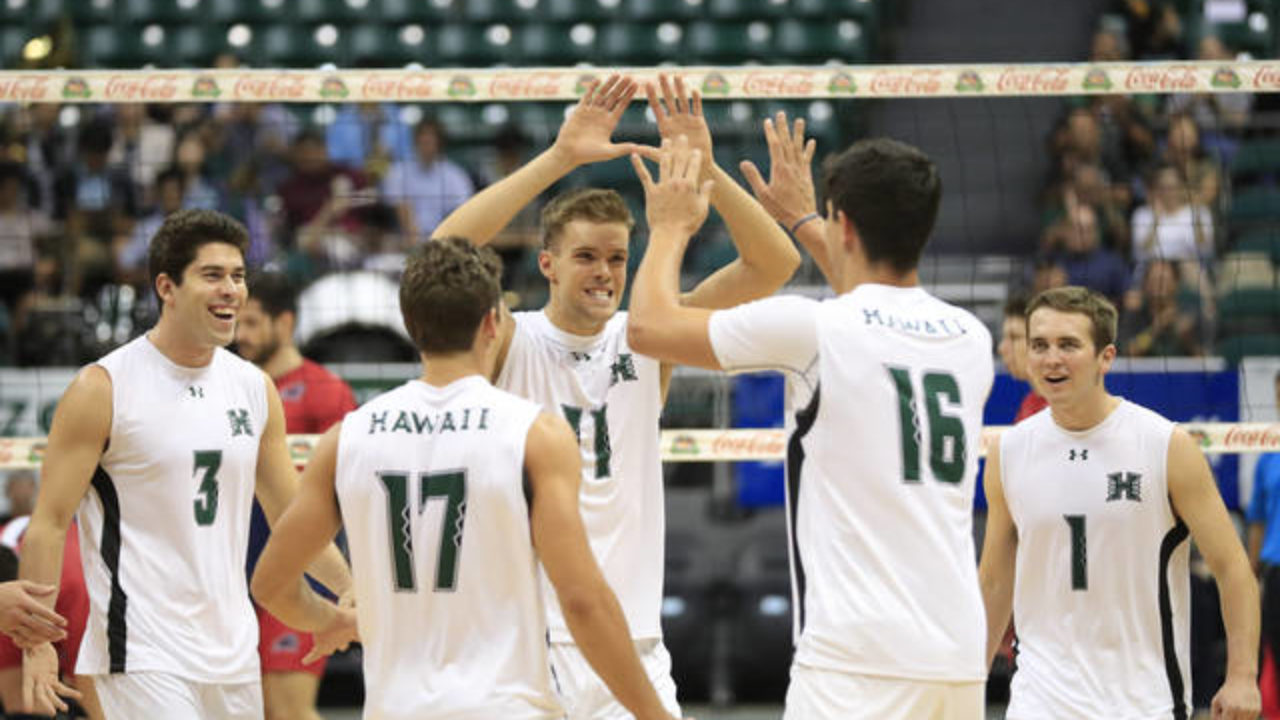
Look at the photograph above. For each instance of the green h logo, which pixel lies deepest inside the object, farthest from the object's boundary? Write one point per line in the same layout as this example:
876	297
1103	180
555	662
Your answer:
239	418
1124	486
624	368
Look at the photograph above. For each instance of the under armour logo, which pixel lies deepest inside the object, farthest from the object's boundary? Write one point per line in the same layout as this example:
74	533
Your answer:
579	356
1078	454
624	368
240	422
195	391
1124	486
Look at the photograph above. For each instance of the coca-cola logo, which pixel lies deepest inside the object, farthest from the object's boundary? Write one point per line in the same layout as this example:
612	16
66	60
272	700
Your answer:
146	88
778	84
24	89
1267	78
269	87
1033	81
764	444
1159	79
1260	438
415	86
538	85
920	82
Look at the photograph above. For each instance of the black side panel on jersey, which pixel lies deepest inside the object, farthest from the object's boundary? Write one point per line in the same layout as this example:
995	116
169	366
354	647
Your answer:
795	460
1172	539
116	631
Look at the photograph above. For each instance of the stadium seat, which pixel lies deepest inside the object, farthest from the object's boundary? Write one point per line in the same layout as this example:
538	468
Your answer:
1255	159
861	9
747	9
763	624
1250	311
637	44
164	12
1264	240
1254	205
462	45
297	46
378	45
92	12
733	42
249	11
12	40
107	46
546	44
502	11
659	10
572	11
196	45
1236	347
687	617
408	11
320	11
1239	270
818	41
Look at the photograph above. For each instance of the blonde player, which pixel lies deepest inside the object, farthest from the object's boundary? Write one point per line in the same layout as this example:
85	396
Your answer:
161	445
885	455
1090	508
451	492
573	358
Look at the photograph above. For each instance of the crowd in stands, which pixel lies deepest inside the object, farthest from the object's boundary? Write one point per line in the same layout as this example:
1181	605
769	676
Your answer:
1137	204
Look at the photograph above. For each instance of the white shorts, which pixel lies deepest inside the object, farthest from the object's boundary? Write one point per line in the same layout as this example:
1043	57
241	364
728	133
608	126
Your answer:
586	697
817	694
130	696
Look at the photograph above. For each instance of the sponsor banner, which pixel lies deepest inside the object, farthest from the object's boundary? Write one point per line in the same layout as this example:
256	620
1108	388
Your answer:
567	84
744	444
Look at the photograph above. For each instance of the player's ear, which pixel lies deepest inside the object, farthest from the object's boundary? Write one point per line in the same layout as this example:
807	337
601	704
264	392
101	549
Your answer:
165	288
544	265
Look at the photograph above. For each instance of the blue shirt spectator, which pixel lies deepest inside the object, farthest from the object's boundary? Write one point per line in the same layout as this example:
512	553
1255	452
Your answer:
428	187
368	133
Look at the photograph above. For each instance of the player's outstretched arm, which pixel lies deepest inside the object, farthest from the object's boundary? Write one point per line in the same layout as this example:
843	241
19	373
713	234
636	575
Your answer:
999	555
585	137
788	194
676	205
302	534
277	485
81	427
766	258
1196	500
554	466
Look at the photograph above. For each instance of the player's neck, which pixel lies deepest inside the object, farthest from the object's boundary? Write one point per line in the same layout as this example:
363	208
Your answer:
879	274
573	323
285	360
441	370
1085	413
178	346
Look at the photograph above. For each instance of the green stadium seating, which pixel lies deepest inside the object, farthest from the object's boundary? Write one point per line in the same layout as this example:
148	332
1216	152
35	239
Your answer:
12	40
107	46
320	11
91	12
248	11
715	42
164	12
1253	205
546	44
747	9
865	10
460	45
817	41
502	11
378	45
659	10
635	43
294	46
573	11
1236	347
1254	158
1250	310
196	45
1263	240
420	11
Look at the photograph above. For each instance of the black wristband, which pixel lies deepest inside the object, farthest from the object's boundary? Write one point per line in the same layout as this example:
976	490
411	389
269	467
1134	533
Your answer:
803	220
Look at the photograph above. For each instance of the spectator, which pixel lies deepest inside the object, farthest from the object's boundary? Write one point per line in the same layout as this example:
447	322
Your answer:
522	235
369	136
1047	273
142	146
1171	227
1184	152
1218	114
1155	28
20	225
310	186
199	193
1164	324
20	492
1263	517
1075	244
427	187
131	250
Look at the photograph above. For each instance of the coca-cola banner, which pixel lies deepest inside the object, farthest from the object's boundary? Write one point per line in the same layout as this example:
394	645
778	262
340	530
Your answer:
457	85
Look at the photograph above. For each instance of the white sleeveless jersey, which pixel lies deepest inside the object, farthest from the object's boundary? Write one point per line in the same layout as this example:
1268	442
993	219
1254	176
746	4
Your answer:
881	468
165	525
431	486
1101	594
613	399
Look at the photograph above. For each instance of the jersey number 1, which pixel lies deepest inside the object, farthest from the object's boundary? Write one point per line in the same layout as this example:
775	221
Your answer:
452	486
946	432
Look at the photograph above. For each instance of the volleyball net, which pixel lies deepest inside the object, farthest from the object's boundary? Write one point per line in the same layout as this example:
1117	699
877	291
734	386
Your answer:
1041	164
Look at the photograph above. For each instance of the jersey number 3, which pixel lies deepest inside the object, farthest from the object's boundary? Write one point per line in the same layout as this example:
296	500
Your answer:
206	502
452	487
946	432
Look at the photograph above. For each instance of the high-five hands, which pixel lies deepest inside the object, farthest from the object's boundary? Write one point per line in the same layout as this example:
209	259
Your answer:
676	204
587	134
679	114
788	195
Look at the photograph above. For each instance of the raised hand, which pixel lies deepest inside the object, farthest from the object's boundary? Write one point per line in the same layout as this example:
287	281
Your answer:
587	135
337	636
42	689
677	203
788	194
680	114
26	620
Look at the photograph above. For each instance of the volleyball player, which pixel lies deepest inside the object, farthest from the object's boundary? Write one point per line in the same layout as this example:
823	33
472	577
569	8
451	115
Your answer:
160	447
451	491
573	358
885	454
1089	509
313	399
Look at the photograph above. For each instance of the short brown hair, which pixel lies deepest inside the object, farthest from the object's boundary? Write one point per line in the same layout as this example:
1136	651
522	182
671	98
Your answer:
448	286
181	236
590	204
1075	299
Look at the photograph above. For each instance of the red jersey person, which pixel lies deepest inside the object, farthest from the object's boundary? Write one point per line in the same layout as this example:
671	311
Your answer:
313	400
72	604
1013	353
